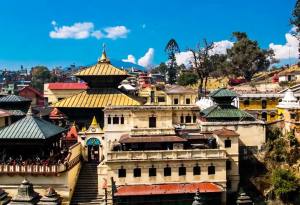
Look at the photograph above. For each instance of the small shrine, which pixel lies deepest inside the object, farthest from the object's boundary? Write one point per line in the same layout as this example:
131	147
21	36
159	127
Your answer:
50	198
26	195
72	136
198	200
4	198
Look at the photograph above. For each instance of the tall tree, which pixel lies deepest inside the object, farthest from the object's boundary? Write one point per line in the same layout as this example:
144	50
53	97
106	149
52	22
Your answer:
201	64
296	22
171	49
161	69
39	76
247	58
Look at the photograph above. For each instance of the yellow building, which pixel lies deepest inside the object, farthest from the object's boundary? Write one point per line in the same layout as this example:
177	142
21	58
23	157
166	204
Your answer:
54	92
260	105
169	95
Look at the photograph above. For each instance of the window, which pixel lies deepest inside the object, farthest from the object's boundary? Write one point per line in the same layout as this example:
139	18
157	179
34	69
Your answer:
152	122
228	165
152	96
152	172
181	119
246	102
264	116
137	172
109	120
187	101
196	170
194	118
122	172
161	99
182	171
211	170
6	121
188	119
264	104
167	171
293	115
122	119
227	143
176	101
115	120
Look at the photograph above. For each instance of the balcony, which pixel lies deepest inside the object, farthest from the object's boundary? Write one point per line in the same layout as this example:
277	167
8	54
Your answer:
160	155
152	131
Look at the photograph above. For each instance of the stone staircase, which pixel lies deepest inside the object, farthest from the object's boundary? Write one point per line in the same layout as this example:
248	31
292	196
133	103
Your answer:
86	191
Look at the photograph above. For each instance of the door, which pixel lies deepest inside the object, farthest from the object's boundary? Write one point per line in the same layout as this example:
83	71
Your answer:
93	145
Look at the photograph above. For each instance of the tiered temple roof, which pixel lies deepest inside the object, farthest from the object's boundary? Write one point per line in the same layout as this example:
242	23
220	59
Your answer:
223	110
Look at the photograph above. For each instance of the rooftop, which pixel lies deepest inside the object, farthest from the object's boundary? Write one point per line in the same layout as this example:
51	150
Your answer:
222	92
67	86
13	98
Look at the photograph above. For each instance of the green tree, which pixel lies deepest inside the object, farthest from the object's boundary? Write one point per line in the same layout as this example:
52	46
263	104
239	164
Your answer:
161	69
187	78
247	58
296	22
39	76
171	49
202	64
284	184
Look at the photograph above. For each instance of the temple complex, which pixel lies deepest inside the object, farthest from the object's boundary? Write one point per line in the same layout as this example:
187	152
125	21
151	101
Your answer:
102	80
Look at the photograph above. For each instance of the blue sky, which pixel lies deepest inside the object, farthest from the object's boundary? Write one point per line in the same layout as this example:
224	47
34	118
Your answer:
130	28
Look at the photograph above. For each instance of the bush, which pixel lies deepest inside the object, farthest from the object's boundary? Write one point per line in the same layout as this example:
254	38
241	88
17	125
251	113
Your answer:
284	184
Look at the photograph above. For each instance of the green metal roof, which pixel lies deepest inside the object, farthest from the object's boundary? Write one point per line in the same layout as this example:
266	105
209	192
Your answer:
30	127
224	111
222	92
13	98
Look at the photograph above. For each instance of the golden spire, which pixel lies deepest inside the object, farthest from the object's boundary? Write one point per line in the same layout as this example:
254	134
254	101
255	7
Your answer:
94	122
104	58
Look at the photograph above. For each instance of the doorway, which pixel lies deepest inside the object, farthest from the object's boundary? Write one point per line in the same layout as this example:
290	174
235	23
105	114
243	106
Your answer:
93	145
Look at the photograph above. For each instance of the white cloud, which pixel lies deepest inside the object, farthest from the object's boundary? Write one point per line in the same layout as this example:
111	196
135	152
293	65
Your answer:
184	57
130	59
146	60
288	50
85	30
97	34
220	47
116	32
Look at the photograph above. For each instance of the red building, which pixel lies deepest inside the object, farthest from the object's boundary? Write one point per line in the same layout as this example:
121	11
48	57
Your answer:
37	98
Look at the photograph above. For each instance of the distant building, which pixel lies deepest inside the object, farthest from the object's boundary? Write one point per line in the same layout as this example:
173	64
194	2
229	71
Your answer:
37	98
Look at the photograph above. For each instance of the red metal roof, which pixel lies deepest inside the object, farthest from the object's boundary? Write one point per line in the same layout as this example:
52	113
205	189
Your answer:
224	132
164	189
67	86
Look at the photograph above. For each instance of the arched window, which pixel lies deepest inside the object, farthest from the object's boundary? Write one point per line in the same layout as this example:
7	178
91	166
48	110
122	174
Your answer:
115	119
264	104
122	119
122	172
137	172
188	119
182	170
181	119
211	170
264	116
152	122
197	170
167	171
108	119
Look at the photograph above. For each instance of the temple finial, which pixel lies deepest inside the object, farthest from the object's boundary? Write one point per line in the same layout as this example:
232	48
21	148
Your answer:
29	112
104	58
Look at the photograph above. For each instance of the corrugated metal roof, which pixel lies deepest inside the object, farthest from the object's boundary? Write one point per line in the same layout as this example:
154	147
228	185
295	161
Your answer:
164	189
13	98
102	69
67	86
30	127
17	112
222	92
97	98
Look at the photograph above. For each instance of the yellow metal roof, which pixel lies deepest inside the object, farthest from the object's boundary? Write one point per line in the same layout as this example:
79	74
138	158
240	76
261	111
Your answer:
97	98
101	69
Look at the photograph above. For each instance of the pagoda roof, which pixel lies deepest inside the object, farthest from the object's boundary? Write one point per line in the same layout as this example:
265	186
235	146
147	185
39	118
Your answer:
30	127
101	69
222	92
223	111
97	98
13	98
67	86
